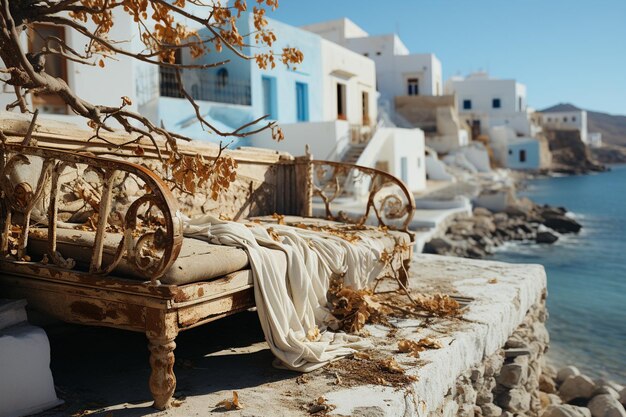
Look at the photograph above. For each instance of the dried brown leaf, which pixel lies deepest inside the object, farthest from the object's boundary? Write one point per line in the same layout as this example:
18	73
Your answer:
232	404
390	365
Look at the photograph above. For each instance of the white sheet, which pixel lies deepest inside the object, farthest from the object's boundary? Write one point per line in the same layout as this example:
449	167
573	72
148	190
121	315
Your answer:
291	297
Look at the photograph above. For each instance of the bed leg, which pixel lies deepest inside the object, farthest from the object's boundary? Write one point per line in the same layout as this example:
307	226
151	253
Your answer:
162	378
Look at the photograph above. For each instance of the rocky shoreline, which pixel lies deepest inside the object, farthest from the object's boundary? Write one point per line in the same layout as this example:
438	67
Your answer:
478	235
568	393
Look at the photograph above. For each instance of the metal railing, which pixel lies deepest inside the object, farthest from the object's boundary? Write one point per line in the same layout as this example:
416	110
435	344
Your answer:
204	85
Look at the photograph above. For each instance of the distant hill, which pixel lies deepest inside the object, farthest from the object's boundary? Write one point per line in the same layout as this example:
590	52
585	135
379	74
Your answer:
612	127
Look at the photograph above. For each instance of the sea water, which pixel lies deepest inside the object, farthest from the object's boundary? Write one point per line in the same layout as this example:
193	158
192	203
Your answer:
586	272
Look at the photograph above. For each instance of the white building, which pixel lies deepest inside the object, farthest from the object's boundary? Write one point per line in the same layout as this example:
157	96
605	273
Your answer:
347	109
410	85
486	102
86	81
399	72
566	117
348	130
595	139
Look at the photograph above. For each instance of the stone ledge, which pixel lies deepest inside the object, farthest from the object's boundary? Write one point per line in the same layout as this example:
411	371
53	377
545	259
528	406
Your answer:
498	309
230	354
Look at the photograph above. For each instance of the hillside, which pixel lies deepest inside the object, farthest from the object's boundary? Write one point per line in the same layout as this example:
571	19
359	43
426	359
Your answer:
612	127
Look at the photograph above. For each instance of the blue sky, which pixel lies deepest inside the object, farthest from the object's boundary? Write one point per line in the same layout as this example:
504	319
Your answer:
563	50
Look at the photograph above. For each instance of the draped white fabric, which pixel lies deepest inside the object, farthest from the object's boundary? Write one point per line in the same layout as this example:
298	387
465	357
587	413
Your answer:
291	280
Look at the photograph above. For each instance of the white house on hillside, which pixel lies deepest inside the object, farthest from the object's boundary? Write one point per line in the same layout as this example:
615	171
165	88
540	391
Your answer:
566	117
410	85
398	71
328	102
348	128
485	102
499	109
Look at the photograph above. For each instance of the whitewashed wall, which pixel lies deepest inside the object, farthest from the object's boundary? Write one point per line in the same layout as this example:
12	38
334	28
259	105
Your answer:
323	138
357	73
576	120
409	144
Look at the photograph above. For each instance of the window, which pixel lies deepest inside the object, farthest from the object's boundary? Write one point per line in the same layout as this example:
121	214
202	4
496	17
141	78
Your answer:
366	54
573	118
404	169
222	77
269	97
413	86
467	104
519	103
302	102
495	103
378	53
565	119
341	101
522	155
510	151
169	82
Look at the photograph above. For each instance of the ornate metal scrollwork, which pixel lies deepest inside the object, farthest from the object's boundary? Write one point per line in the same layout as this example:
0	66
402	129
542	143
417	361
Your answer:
149	238
362	195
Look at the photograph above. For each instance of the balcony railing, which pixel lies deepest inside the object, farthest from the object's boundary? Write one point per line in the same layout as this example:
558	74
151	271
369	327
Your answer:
206	86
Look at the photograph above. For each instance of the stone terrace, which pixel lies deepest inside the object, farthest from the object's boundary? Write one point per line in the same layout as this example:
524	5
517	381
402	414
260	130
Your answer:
103	372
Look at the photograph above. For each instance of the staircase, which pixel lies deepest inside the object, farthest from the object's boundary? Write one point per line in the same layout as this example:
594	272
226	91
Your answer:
353	152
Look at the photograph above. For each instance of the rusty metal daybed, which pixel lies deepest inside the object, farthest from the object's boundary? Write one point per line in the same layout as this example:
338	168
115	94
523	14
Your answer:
96	238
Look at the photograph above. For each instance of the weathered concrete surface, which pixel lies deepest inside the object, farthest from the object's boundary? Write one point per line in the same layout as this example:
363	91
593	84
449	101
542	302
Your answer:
106	370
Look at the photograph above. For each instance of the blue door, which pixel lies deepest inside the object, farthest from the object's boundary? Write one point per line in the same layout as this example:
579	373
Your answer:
269	97
302	102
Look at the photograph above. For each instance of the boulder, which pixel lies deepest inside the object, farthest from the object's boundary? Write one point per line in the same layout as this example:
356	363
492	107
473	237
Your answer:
481	211
602	382
555	399
515	341
515	400
566	372
500	217
544	399
438	245
566	410
512	374
606	406
546	237
484	397
562	224
605	390
491	410
576	387
485	225
493	364
550	370
541	333
547	384
515	211
549	211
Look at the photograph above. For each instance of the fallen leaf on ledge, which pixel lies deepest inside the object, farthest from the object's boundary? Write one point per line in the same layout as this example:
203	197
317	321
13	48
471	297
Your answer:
229	405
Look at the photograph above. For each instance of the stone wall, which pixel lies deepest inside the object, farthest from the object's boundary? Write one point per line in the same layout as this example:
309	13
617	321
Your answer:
506	383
